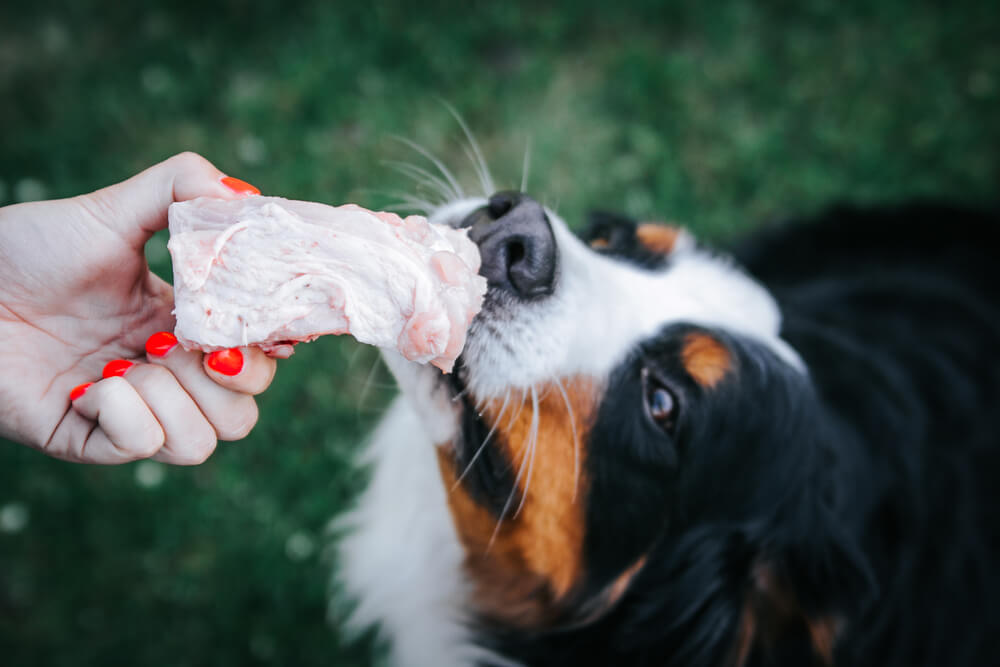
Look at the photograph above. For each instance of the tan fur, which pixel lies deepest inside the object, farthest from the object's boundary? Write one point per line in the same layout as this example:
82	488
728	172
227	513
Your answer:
824	632
705	359
533	561
772	611
745	638
657	238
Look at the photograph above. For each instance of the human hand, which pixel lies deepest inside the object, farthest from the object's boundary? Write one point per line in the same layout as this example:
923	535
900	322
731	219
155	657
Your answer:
76	293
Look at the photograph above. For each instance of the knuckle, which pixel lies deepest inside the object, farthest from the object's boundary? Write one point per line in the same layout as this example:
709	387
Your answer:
148	441
194	446
154	376
199	450
237	423
188	160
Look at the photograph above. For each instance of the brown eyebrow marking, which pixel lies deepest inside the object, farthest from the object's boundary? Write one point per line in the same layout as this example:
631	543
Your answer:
657	238
705	359
523	568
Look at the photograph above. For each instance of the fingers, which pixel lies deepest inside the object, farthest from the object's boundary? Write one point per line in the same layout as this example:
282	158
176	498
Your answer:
231	413
137	207
245	369
173	408
146	415
126	428
189	438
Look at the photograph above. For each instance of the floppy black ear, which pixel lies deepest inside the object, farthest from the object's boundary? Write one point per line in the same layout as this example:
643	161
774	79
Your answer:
801	593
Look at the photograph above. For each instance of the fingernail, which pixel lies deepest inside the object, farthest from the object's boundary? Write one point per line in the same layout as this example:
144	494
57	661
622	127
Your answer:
160	343
79	390
238	186
227	362
116	368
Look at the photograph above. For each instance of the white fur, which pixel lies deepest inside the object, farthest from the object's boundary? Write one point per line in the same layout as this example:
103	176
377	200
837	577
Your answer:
402	559
603	307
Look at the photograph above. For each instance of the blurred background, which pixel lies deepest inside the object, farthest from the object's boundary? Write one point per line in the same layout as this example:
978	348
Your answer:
721	115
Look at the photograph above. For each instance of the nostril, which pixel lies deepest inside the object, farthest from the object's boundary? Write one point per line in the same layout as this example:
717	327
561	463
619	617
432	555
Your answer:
501	203
515	252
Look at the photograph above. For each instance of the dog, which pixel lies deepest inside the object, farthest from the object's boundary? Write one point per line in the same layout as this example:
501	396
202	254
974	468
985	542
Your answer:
655	453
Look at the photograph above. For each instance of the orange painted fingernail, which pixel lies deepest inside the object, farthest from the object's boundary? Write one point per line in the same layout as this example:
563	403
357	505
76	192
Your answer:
160	343
79	390
227	362
116	368
238	186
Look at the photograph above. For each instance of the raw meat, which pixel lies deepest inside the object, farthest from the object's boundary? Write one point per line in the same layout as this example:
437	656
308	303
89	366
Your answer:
269	271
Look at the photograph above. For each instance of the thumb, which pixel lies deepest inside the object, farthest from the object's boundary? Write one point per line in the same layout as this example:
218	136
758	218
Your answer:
137	208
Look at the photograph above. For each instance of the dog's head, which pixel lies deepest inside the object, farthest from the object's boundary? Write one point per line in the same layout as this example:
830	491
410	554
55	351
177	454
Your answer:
626	411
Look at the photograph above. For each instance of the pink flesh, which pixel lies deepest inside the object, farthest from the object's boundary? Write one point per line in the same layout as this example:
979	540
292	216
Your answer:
270	272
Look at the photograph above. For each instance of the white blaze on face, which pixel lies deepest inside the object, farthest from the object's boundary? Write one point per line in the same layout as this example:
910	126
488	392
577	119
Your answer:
602	308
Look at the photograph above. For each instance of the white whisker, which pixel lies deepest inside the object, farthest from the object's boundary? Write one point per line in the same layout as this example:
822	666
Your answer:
514	417
478	162
532	448
484	182
407	202
367	385
489	435
423	177
517	481
452	181
576	440
526	166
460	395
403	200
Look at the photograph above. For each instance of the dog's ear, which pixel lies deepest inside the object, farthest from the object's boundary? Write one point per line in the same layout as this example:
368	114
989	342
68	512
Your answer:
648	244
799	596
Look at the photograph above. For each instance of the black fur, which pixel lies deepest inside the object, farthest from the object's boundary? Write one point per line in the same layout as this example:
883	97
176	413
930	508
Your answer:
485	472
861	498
614	234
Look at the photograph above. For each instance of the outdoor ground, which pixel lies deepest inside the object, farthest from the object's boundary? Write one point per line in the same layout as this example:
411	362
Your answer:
721	115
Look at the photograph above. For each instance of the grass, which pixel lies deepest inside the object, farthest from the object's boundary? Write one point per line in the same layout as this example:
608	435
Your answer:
720	115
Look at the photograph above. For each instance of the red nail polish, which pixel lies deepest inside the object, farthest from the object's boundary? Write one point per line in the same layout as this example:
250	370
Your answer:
79	390
116	367
238	186
227	362
160	343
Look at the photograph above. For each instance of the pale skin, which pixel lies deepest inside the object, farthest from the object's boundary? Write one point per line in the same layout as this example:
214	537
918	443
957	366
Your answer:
76	293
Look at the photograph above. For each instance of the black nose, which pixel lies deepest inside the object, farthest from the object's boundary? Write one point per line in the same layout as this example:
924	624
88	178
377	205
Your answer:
516	243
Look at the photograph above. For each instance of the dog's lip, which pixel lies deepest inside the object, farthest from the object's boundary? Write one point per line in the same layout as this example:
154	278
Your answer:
458	390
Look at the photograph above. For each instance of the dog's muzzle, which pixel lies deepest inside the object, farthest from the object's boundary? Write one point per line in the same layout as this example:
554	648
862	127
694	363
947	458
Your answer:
516	243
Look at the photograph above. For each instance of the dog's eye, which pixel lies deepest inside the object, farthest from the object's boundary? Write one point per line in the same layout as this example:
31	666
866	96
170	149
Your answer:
660	403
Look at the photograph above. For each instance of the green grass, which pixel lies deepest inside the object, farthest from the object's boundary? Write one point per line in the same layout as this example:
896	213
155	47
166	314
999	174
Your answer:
717	114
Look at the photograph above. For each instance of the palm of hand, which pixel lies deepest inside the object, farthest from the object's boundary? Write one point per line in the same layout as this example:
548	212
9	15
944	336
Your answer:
66	309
